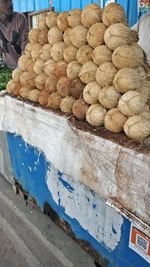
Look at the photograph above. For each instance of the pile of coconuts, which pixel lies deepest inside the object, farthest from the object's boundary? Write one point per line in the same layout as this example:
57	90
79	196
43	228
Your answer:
87	63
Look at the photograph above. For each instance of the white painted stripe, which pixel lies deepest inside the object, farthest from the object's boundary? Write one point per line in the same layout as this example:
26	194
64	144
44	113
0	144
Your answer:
18	244
49	246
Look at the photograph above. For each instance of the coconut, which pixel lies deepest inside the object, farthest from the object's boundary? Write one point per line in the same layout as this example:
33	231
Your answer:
73	70
50	84
76	88
137	128
28	49
28	79
74	17
78	36
109	97
34	35
79	109
29	65
113	13
84	54
24	92
95	115
22	62
54	101
145	114
95	34
105	74
38	66
57	51
40	81
128	56
51	19
60	69
114	121
43	97
63	86
13	88
91	93
145	90
45	52
36	51
70	53
101	54
42	21
132	103
128	79
62	21
34	95
49	67
42	37
66	104
118	34
55	35
16	75
91	15
88	72
66	36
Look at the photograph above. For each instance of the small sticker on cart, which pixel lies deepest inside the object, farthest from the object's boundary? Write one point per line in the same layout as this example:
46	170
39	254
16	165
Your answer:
140	243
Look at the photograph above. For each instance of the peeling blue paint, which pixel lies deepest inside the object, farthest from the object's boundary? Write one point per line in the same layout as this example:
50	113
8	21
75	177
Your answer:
66	185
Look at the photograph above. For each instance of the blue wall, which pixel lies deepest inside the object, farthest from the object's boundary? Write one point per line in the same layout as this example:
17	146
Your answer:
61	5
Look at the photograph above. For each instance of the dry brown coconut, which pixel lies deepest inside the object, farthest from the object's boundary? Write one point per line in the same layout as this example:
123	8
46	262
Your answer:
129	79
16	75
42	21
70	53
34	95
145	90
113	13
95	35
101	54
78	36
36	51
55	35
114	121
38	66
45	52
105	74
43	97
66	104
63	86
84	54
60	69
51	19
28	49
29	65
62	21
66	36
109	97
42	37
74	18
13	88
24	92
79	109
22	62
54	101
73	70
28	79
118	34
50	84
95	115
49	67
91	93
57	51
76	88
40	81
34	35
128	56
91	14
88	72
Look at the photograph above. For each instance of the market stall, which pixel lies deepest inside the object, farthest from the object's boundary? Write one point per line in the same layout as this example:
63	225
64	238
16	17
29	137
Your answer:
76	114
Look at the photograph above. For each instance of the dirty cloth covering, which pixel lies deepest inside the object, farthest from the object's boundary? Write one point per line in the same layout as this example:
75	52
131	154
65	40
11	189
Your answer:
105	166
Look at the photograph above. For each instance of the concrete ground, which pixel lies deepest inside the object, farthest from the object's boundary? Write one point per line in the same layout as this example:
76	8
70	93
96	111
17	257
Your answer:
30	239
